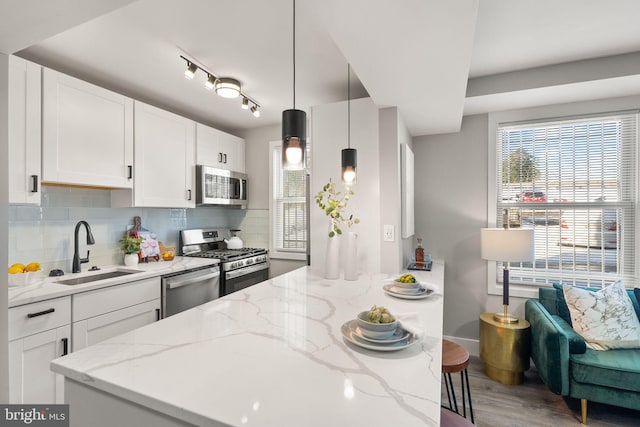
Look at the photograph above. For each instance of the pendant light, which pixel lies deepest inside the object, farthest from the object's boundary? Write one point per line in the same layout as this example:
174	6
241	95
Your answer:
294	123
349	155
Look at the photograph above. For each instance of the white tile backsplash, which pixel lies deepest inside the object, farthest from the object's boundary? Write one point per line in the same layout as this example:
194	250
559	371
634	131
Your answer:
45	233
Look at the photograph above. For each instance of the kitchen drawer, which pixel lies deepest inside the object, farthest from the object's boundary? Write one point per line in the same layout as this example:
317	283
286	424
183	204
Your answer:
101	301
45	315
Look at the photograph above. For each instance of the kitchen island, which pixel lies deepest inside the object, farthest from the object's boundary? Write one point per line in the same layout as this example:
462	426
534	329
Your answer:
269	355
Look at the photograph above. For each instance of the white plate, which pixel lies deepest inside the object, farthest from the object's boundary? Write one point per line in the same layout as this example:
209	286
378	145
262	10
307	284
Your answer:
348	330
398	335
424	293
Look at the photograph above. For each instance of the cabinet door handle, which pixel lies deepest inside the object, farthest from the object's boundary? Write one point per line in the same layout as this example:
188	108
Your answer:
225	158
65	346
157	314
130	174
189	195
41	313
34	188
219	157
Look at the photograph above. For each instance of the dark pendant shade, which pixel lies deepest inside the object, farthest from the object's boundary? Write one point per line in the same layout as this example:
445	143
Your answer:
349	165
294	139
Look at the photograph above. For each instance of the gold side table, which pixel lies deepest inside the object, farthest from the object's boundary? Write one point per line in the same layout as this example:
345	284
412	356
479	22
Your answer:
505	349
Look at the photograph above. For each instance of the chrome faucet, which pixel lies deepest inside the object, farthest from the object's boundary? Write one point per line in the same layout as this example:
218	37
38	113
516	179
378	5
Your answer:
90	241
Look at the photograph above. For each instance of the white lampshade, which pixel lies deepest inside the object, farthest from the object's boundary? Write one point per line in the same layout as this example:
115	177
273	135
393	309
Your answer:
508	245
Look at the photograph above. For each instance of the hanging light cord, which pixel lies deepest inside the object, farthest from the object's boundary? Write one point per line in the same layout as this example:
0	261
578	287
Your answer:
349	105
294	54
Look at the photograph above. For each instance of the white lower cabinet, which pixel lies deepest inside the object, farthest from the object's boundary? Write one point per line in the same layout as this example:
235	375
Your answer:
46	330
105	313
38	333
99	328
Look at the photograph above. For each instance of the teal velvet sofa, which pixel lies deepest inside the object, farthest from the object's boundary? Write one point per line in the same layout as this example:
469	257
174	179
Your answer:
569	368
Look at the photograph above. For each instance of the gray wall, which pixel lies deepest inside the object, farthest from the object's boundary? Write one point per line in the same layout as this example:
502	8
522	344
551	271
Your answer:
451	208
4	201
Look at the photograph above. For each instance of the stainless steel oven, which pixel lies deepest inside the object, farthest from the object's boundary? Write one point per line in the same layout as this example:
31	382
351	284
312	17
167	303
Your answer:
185	290
239	268
245	275
220	187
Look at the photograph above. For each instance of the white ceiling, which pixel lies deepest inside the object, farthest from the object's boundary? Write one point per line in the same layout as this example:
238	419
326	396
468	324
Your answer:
435	60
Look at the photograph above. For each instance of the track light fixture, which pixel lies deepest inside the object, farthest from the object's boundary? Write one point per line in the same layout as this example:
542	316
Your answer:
226	87
210	82
191	70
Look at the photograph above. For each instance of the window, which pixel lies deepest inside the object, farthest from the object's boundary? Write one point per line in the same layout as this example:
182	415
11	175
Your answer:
574	182
288	208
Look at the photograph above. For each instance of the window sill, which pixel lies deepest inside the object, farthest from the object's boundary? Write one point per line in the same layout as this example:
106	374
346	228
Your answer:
287	256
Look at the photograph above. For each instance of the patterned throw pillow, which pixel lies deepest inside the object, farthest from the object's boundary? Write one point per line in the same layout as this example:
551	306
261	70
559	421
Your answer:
605	319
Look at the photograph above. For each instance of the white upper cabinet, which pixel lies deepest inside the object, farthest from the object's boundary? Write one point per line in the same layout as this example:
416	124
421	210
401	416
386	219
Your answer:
87	133
164	169
24	131
219	149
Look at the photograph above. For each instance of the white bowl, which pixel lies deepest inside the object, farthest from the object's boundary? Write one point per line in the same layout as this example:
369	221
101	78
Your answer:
375	330
413	285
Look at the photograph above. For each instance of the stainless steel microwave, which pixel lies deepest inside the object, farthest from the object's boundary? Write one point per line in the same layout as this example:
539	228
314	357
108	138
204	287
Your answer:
220	187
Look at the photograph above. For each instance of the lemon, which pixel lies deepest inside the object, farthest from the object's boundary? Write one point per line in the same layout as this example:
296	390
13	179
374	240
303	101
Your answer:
14	269
33	266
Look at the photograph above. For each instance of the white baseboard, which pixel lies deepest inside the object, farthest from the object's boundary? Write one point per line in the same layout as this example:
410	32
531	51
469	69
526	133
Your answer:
472	346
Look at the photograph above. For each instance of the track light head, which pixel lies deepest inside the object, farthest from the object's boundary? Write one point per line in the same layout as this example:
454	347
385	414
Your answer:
210	82
191	70
255	111
245	103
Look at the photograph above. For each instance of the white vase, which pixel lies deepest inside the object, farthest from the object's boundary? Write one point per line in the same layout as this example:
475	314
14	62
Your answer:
130	259
351	257
332	258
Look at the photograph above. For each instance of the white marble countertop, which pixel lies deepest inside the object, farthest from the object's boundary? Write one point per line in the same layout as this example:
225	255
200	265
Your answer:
273	355
44	287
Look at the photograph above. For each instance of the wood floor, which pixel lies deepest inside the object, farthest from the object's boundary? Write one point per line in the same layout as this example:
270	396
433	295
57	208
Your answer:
531	404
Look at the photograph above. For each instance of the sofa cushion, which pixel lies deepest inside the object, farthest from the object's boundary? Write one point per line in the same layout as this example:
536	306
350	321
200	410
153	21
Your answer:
613	368
606	319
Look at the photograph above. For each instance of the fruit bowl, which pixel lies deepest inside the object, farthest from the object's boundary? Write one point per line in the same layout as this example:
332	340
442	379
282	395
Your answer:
21	279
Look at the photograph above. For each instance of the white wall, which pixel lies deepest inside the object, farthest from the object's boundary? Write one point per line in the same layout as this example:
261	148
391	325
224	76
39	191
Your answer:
4	200
393	133
452	204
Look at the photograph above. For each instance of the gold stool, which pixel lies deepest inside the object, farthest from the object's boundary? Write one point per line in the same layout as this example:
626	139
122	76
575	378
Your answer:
505	348
456	359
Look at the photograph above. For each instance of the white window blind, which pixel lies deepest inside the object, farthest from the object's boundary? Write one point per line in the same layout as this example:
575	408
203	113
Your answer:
574	182
289	204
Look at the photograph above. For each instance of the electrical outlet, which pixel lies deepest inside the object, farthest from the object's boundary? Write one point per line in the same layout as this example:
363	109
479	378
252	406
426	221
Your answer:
388	233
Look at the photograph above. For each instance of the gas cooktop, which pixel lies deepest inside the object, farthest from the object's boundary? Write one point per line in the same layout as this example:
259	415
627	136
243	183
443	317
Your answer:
228	254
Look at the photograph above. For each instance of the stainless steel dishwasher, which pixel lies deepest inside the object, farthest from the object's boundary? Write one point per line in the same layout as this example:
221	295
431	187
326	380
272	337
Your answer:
188	289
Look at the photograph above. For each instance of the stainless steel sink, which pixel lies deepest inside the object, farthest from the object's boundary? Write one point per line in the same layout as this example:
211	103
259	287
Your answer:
96	277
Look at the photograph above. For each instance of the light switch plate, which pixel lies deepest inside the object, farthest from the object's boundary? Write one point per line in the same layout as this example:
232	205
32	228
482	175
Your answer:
389	233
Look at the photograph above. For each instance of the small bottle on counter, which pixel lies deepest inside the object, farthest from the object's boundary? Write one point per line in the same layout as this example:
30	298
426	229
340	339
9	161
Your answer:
419	254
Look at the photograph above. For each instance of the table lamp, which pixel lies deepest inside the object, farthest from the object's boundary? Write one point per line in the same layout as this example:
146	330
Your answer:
506	245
